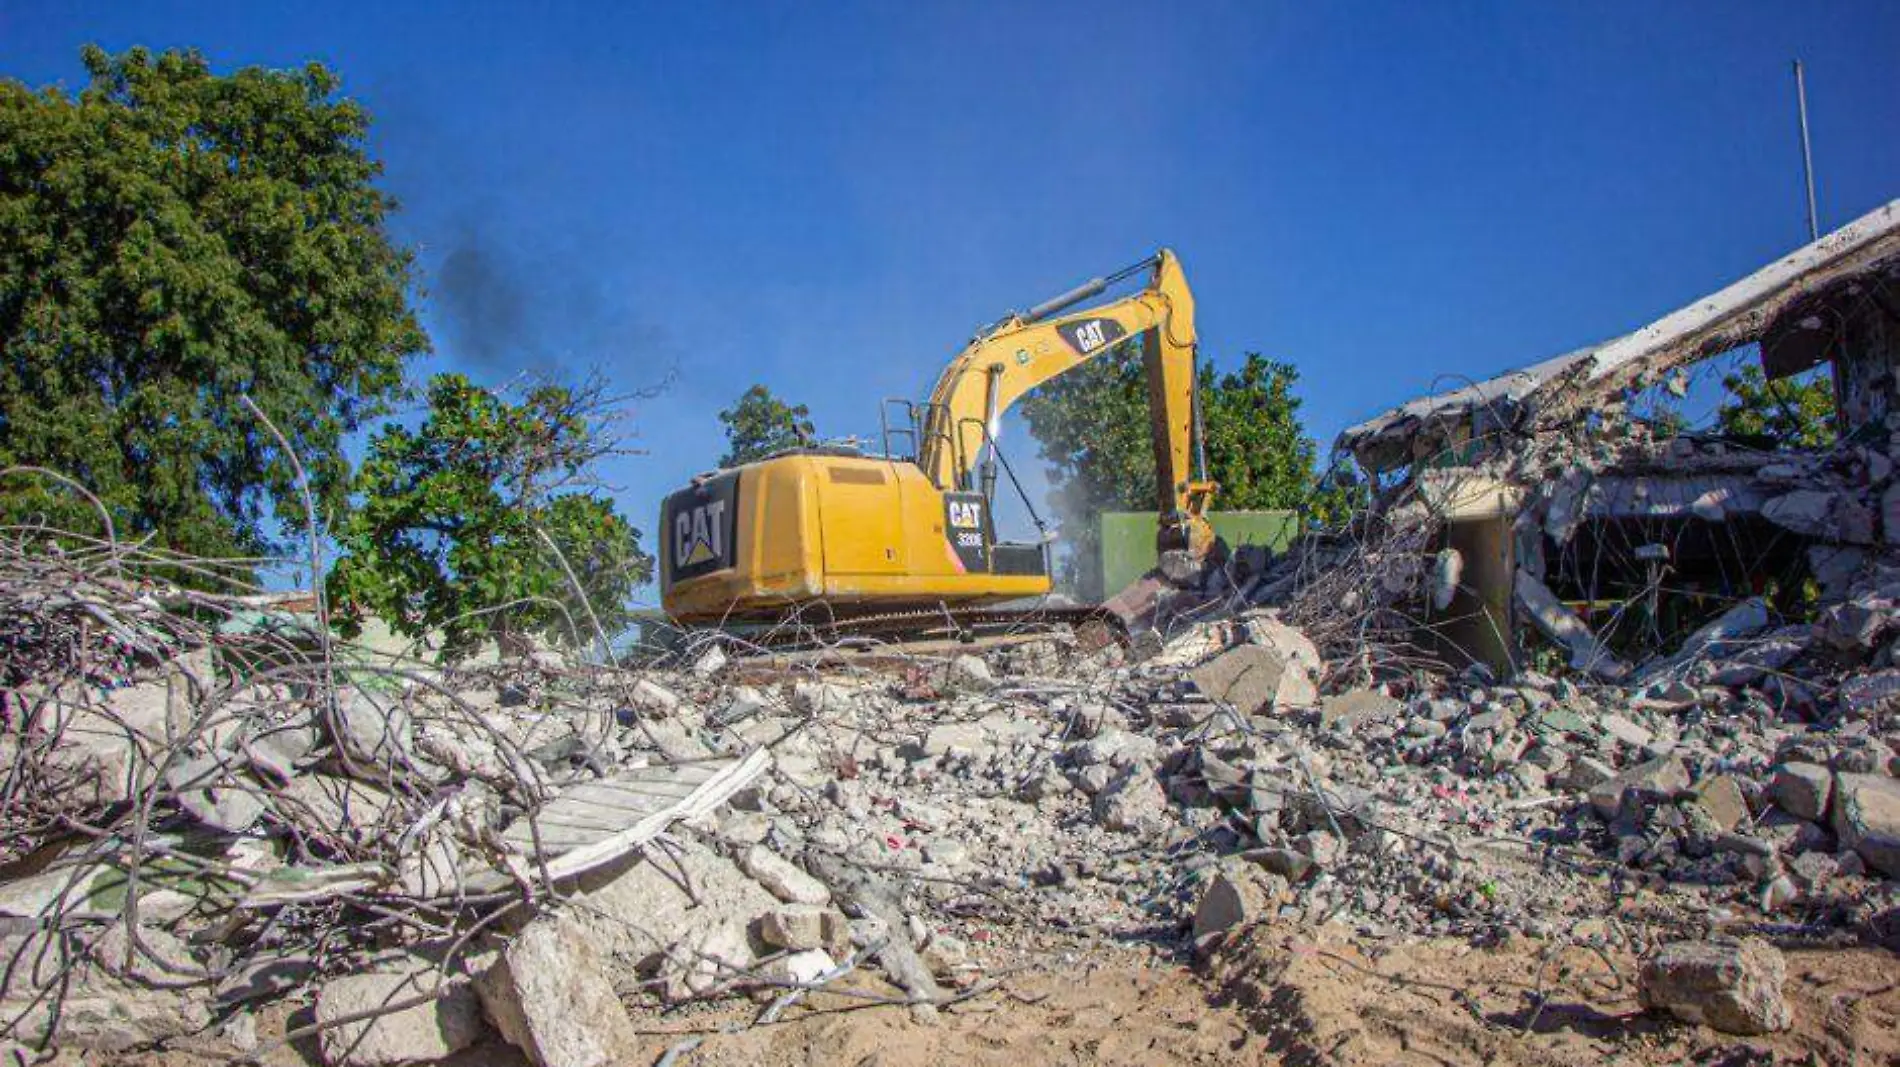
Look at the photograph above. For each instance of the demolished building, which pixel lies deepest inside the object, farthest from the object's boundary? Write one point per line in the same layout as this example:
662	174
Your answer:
1559	506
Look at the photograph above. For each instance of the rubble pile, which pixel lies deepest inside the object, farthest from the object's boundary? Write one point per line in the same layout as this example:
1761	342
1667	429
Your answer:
204	818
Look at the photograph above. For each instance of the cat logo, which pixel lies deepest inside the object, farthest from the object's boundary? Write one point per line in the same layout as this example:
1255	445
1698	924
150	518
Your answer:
698	534
1088	336
966	514
698	529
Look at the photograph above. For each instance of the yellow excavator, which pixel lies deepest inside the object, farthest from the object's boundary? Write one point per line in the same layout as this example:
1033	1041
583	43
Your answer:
856	534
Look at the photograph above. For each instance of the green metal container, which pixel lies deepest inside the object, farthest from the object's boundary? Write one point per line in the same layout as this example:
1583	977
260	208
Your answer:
1128	539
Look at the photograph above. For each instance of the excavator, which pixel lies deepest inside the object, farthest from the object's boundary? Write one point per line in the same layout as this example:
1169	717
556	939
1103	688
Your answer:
858	535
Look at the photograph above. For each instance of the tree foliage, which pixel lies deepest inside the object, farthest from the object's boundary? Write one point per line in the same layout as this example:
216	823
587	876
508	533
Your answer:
761	424
449	532
172	240
1792	413
1092	428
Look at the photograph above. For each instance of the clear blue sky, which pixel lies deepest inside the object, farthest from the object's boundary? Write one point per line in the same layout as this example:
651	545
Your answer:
828	198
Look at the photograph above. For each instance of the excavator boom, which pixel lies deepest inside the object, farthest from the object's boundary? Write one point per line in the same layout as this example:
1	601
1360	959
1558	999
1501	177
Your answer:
1026	350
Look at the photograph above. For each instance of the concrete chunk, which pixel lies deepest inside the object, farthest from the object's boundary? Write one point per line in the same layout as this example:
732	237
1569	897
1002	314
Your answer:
635	917
1133	802
1722	799
1255	680
1350	709
548	997
968	674
1730	985
1867	819
1234	899
424	1032
1663	775
804	926
1803	790
782	878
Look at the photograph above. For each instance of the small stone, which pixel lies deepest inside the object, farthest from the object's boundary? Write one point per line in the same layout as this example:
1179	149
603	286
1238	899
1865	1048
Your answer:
944	955
1285	862
1802	790
710	662
782	878
969	674
1488	721
798	968
1095	778
1815	868
1046	782
1731	985
1132	803
946	852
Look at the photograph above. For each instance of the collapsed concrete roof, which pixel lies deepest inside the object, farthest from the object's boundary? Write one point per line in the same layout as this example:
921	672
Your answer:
1557	389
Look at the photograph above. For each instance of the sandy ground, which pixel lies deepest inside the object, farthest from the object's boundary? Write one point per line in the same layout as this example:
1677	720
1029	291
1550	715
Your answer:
1279	997
1286	998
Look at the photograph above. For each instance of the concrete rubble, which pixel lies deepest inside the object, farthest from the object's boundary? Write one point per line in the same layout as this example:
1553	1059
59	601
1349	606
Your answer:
202	819
1732	986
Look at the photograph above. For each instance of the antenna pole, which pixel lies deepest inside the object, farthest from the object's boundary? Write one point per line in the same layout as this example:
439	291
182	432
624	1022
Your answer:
1807	154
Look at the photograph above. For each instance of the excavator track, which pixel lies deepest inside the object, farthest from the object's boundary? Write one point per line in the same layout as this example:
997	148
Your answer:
809	628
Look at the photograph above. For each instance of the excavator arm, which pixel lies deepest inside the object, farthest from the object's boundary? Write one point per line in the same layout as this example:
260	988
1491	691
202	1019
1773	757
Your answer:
1024	350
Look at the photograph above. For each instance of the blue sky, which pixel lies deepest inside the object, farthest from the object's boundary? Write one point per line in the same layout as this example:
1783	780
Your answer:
827	199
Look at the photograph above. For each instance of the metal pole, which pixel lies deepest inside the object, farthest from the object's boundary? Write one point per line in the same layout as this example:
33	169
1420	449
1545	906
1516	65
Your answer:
1807	154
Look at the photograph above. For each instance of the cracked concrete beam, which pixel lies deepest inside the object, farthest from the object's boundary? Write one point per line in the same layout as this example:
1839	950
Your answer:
1558	389
1562	625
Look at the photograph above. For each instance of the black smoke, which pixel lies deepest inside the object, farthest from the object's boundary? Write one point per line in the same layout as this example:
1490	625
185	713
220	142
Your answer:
505	307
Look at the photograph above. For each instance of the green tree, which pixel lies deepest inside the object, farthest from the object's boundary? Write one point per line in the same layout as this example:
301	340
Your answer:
761	424
458	521
1793	413
172	240
1092	428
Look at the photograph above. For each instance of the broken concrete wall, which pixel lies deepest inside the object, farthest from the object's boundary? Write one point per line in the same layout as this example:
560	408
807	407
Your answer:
1625	526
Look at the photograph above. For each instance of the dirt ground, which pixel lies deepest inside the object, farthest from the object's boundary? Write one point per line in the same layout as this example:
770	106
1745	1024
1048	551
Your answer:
1279	997
1290	999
